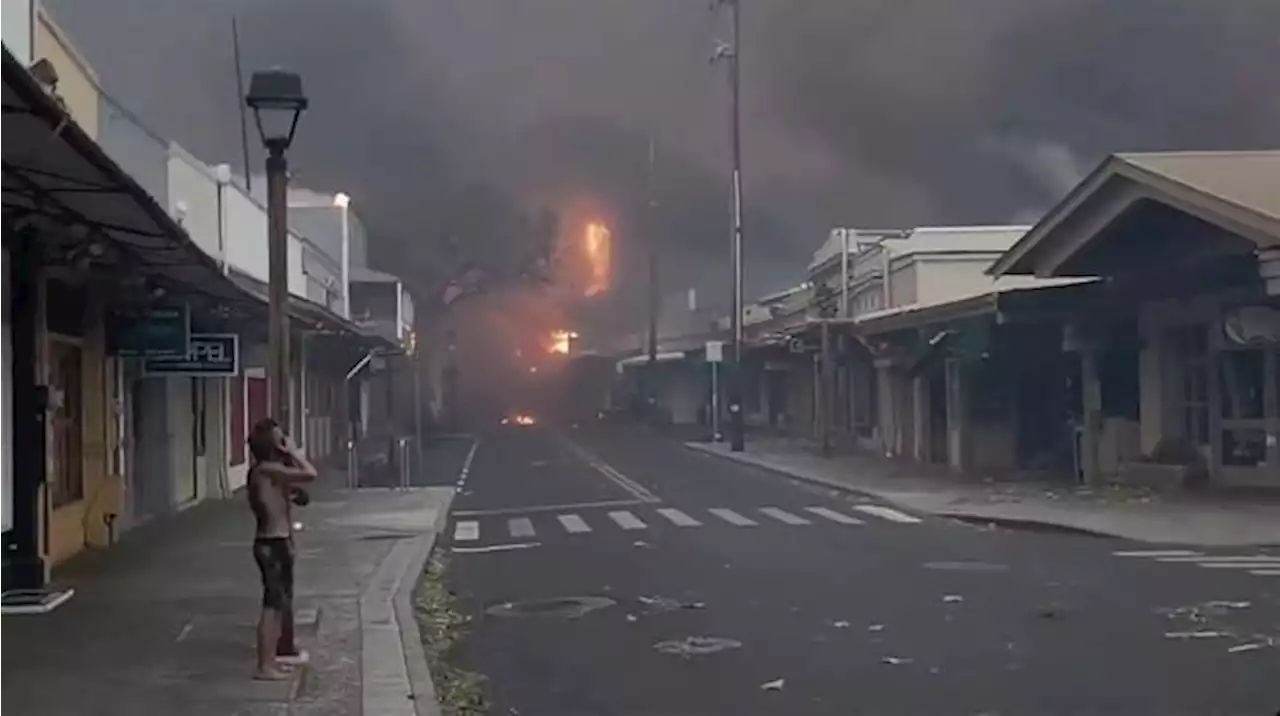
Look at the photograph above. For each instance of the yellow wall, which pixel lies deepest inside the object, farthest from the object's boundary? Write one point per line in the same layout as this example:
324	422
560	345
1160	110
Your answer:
77	82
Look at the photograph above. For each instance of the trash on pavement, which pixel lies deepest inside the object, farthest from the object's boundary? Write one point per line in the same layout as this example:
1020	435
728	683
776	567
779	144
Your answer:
1203	634
876	627
640	543
632	618
775	685
696	645
1238	648
667	604
895	660
953	599
842	624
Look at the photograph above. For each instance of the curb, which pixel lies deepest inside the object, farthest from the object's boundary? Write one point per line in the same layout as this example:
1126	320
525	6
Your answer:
395	680
972	518
421	685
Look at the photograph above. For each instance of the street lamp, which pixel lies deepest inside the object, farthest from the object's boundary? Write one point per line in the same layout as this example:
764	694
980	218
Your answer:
277	101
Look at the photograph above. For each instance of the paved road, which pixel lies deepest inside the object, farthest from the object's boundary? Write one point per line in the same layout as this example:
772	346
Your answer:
822	603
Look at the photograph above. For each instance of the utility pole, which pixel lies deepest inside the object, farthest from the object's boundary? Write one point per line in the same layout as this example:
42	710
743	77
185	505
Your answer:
731	53
651	385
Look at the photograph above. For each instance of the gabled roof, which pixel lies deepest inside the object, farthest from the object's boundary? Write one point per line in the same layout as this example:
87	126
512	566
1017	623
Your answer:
1239	191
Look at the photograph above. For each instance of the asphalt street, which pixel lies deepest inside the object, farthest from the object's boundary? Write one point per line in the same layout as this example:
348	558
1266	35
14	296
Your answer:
611	571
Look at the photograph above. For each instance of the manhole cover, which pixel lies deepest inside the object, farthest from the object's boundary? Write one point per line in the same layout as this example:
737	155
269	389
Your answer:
562	607
696	645
967	566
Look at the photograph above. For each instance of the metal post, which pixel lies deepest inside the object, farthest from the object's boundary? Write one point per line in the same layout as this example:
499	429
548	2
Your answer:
278	286
715	402
844	273
827	367
24	565
651	382
736	427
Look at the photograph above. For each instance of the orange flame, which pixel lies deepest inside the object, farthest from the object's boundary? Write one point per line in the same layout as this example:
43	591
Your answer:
598	249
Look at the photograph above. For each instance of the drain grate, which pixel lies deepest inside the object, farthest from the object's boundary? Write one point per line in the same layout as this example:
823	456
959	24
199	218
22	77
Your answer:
559	607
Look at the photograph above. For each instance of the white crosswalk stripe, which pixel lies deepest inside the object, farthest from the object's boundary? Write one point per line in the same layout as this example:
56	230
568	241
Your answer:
678	518
834	516
1203	558
1265	572
573	524
523	528
626	520
1207	564
520	527
732	517
466	531
783	516
1156	553
887	513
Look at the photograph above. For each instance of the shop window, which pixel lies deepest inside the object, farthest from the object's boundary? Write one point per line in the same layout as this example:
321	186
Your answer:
1191	346
1242	379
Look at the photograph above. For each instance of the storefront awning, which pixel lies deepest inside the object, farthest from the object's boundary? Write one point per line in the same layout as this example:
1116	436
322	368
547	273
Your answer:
56	178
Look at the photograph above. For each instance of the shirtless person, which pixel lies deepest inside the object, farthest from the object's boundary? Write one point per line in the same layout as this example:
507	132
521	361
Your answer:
278	466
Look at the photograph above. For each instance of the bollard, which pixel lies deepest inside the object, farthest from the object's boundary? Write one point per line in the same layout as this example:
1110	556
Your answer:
353	466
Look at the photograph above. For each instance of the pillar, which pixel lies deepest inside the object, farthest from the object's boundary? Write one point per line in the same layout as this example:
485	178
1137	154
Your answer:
24	566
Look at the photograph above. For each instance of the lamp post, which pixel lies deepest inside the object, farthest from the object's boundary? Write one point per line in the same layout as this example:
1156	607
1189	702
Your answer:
277	101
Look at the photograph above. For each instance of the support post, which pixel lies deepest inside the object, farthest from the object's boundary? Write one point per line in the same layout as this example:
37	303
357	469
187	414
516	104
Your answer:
24	564
278	287
827	368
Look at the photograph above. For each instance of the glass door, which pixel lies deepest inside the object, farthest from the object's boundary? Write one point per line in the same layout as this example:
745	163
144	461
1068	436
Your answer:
1249	400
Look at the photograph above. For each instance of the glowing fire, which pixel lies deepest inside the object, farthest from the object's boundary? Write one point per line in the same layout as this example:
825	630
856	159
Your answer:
560	341
596	243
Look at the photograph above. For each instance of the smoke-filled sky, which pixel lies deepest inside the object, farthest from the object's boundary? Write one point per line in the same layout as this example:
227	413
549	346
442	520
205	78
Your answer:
878	113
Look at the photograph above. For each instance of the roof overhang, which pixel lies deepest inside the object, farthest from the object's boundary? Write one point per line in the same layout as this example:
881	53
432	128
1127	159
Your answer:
56	177
1124	182
314	318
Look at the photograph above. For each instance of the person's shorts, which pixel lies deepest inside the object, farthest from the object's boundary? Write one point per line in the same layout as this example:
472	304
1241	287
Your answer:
275	562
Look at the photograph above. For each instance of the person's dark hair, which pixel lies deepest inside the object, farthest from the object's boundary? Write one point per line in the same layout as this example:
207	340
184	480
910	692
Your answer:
262	440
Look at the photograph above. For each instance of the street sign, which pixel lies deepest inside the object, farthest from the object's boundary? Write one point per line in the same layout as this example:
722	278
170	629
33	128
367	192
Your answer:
208	354
157	331
715	351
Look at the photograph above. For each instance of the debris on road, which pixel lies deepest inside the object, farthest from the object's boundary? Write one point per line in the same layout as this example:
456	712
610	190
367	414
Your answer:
953	599
895	660
632	618
640	543
840	624
696	645
1226	605
775	685
667	604
1204	634
1238	648
1052	611
876	627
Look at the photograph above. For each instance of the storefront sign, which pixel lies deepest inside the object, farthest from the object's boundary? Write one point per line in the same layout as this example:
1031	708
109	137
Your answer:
208	354
160	331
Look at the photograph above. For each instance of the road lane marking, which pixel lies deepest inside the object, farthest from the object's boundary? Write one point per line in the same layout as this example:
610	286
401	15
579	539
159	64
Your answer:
732	517
466	464
547	508
887	513
573	524
640	492
678	518
784	516
495	547
835	516
1239	565
1265	572
1156	553
466	531
1204	558
520	527
626	520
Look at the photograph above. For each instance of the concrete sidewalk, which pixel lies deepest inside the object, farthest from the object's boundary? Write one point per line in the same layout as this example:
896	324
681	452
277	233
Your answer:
163	623
1130	513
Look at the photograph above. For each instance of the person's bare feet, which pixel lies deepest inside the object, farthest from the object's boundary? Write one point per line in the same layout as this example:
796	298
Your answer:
301	657
272	673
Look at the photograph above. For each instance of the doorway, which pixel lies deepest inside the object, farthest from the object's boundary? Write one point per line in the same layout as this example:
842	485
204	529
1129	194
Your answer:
1249	415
